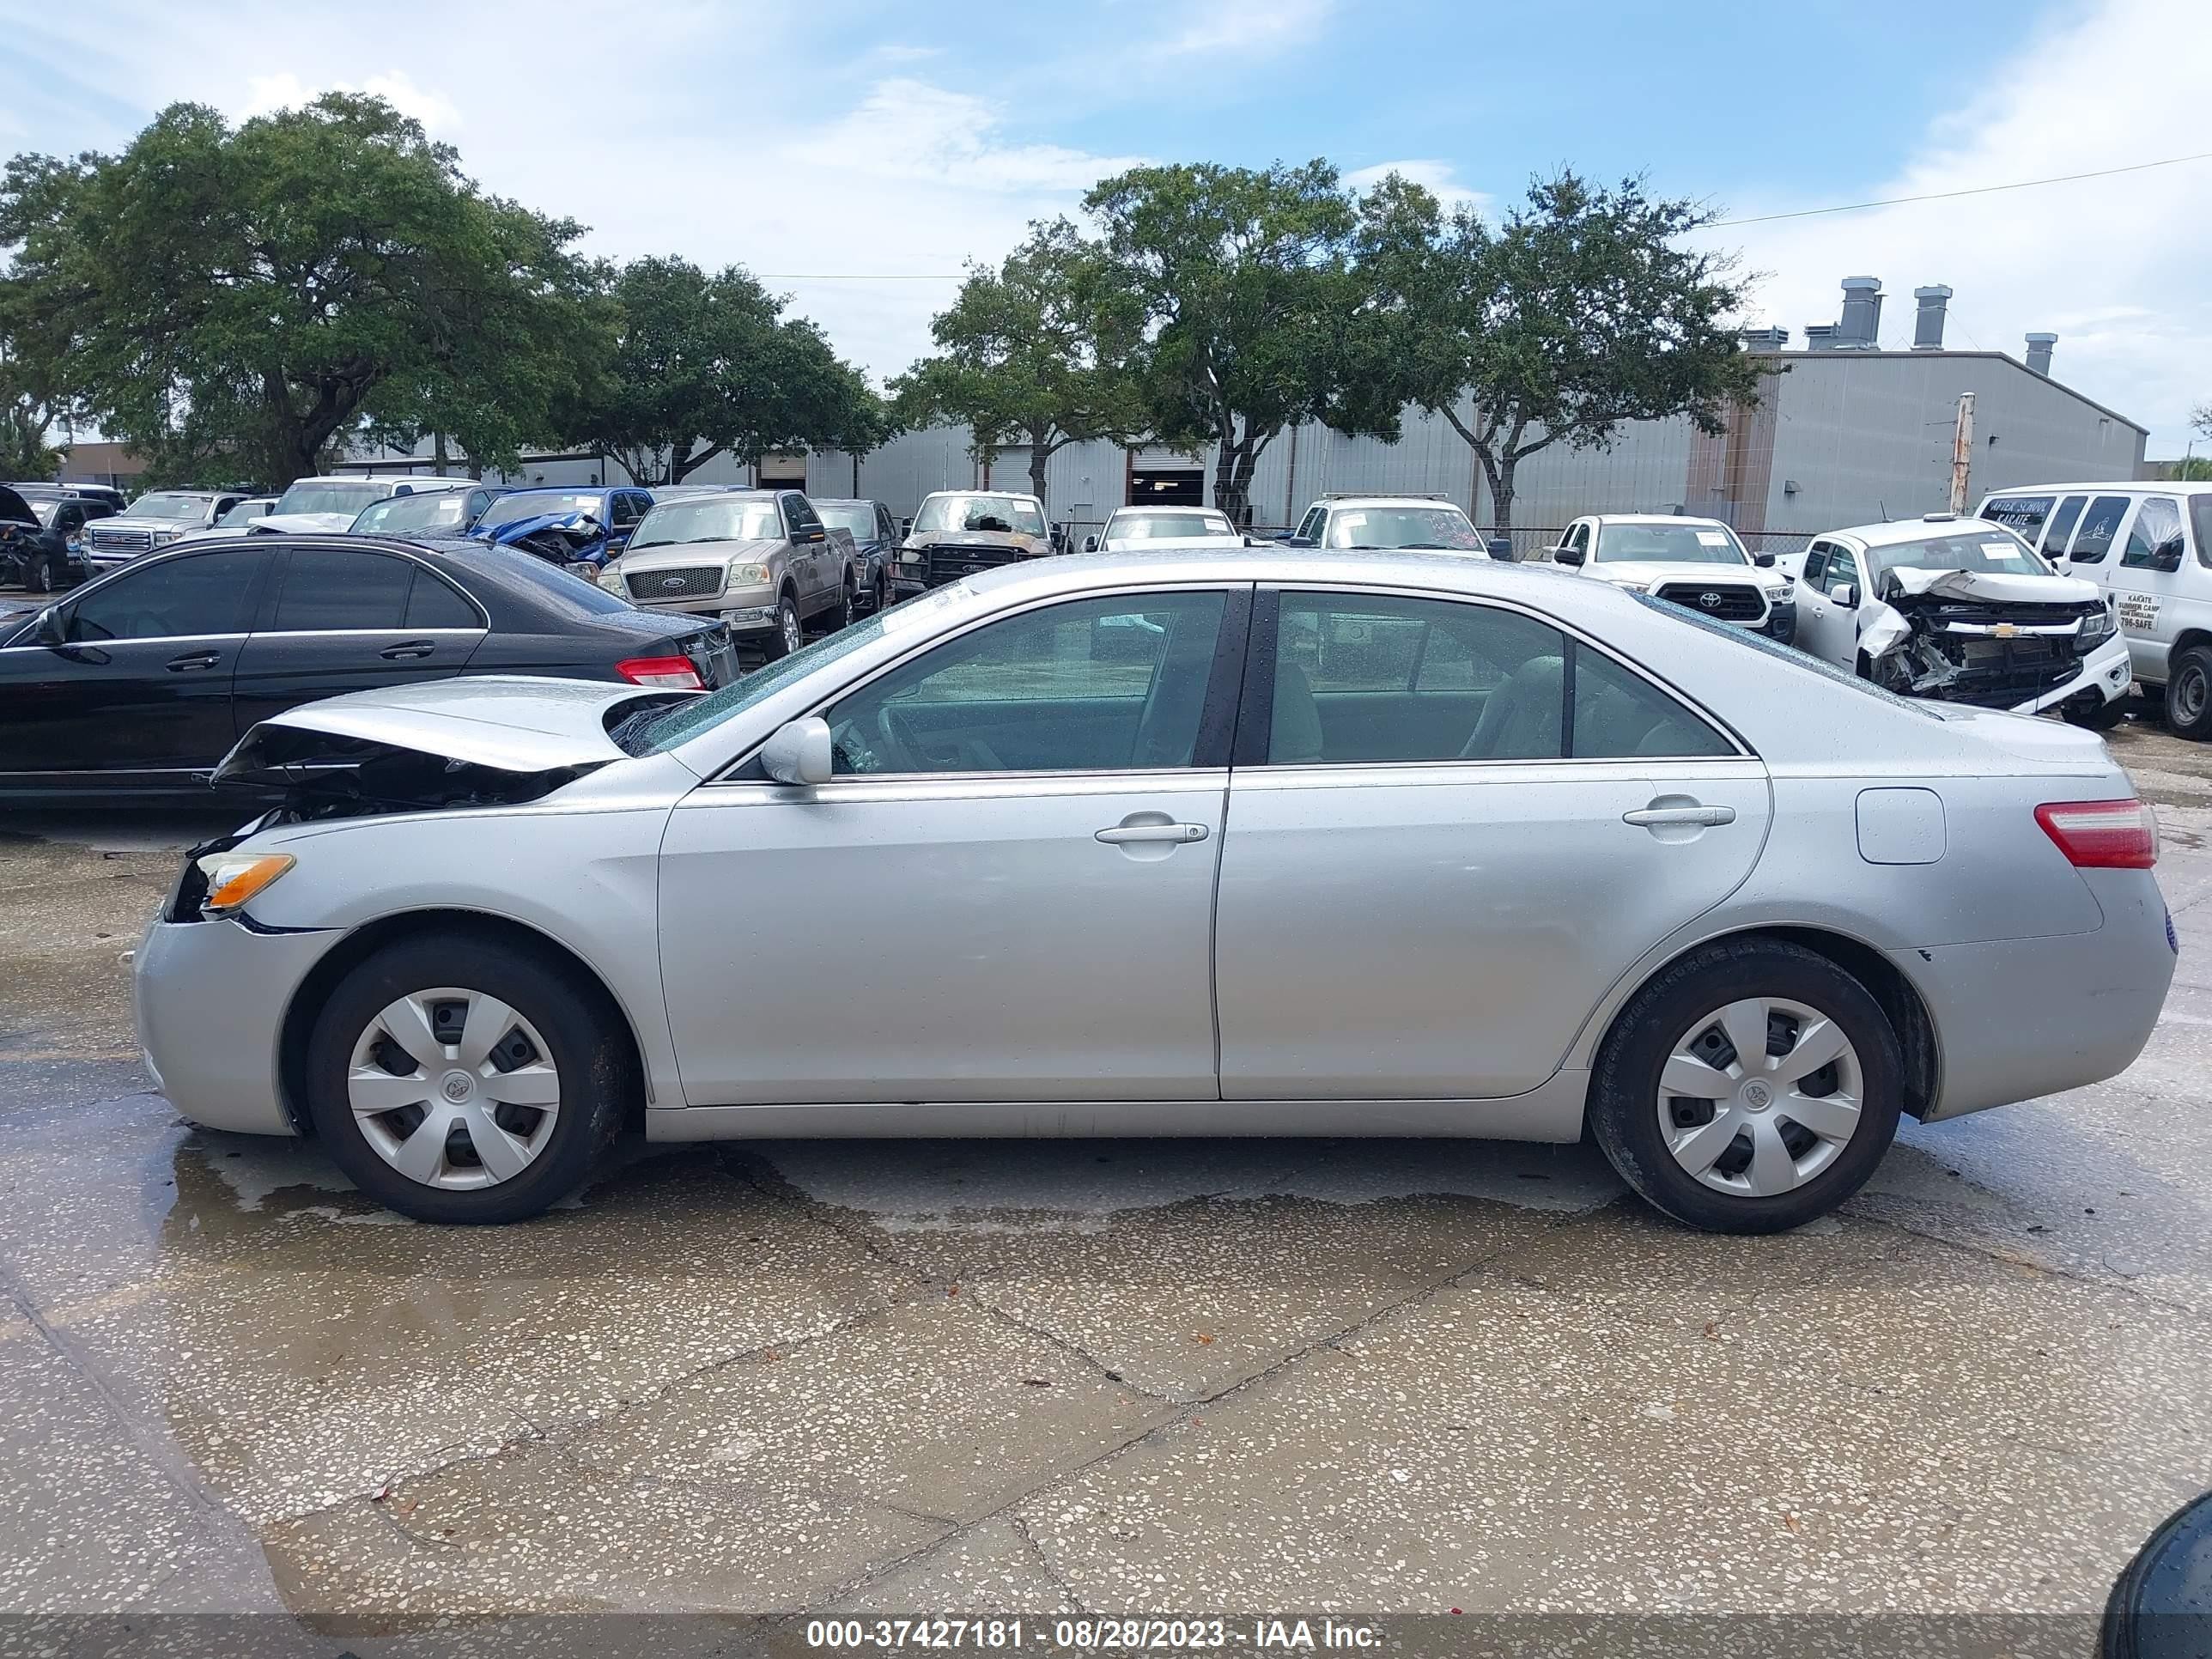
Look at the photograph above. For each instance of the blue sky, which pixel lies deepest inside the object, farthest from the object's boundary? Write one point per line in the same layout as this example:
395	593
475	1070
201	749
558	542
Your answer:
863	137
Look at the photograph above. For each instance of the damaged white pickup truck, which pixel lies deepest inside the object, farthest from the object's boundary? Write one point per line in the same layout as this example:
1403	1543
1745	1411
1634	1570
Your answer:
1964	611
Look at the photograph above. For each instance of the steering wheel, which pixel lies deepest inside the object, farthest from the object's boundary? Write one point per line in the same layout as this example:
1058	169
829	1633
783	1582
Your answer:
892	747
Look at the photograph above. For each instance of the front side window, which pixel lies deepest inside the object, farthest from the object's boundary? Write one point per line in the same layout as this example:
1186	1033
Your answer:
2157	522
706	518
1842	572
1669	544
1578	539
1311	526
2100	523
204	593
624	510
327	589
1816	565
2062	526
1102	684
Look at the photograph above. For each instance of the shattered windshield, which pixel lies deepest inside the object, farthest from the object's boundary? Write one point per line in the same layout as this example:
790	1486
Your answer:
1987	550
1669	544
1008	514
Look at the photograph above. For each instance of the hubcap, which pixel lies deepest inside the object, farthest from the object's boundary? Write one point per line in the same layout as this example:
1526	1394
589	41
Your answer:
2189	695
1759	1096
791	635
453	1088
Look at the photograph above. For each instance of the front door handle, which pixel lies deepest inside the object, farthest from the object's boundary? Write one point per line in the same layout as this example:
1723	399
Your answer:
194	659
1121	834
1704	816
411	648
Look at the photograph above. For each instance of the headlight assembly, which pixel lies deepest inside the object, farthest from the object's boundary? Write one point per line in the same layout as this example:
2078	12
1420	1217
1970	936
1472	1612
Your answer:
234	879
748	575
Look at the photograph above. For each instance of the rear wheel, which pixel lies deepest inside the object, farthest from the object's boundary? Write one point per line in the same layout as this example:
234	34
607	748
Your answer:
460	1080
1750	1088
879	596
2189	694
847	606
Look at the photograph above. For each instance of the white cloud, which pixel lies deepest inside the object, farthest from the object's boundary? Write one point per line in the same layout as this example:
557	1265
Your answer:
1250	27
2115	266
1435	177
267	93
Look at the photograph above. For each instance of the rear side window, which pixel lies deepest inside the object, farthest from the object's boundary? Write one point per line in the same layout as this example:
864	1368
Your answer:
327	589
1619	716
203	594
2200	523
431	604
2098	525
2157	522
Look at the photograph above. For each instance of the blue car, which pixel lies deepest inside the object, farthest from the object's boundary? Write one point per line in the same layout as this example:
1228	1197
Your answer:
566	523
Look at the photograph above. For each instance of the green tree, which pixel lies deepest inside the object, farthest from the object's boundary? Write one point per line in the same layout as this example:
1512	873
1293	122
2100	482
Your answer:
1034	356
33	401
242	302
707	364
1579	314
1255	313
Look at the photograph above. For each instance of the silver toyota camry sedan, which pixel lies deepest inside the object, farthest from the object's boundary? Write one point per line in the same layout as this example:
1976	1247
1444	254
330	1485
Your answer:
1251	842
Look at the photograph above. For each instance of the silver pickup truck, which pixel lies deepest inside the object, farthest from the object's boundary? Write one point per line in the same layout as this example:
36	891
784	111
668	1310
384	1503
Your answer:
760	559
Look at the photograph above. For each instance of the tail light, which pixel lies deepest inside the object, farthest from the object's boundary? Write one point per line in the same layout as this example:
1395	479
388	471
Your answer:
674	671
2102	835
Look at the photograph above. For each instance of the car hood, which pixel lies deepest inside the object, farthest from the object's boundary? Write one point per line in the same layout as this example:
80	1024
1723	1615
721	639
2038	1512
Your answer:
979	539
1655	572
682	556
303	524
2005	589
511	723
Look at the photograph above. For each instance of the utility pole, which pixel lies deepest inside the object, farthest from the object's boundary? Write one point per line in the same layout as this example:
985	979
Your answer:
1962	453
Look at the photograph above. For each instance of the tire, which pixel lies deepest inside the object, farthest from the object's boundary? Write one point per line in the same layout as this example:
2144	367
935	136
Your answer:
38	575
2189	694
1676	1017
561	1023
879	596
787	635
841	614
2100	716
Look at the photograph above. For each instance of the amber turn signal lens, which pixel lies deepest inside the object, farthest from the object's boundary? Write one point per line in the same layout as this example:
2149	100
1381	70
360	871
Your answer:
233	881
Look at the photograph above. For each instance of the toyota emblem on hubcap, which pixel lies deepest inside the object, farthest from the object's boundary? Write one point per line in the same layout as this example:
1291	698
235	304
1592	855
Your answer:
1757	1096
457	1085
1711	601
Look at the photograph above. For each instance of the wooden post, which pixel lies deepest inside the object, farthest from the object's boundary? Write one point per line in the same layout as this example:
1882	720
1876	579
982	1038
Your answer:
1962	453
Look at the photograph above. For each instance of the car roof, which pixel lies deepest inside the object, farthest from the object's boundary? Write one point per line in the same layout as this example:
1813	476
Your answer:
1471	573
1656	518
1895	532
1007	494
1387	501
2106	487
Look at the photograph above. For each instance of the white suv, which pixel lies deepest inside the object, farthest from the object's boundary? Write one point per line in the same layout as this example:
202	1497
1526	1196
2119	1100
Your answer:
2148	547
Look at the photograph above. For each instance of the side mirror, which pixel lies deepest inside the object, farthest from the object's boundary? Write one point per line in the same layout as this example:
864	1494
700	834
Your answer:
906	528
1845	594
1568	556
798	752
812	535
2166	556
1499	548
1764	561
1300	541
49	628
1091	544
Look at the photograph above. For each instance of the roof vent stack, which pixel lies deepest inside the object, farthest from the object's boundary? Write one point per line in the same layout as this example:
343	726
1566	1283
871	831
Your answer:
1819	337
1764	339
2038	352
1860	329
1928	322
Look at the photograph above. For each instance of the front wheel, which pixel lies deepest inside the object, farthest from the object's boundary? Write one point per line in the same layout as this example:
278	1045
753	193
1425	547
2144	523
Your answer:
1750	1088
2189	694
461	1079
787	636
2092	712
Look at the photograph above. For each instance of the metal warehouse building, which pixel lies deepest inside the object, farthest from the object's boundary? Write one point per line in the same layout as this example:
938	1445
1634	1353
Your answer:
1847	433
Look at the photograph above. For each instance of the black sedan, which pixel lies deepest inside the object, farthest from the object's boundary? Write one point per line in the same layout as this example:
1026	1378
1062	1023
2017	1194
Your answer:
136	683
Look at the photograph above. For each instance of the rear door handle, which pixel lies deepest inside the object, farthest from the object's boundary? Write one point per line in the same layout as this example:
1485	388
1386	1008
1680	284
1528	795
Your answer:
1123	833
411	648
196	660
1707	816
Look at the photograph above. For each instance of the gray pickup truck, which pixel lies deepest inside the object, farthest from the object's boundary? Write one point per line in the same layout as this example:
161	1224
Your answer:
760	559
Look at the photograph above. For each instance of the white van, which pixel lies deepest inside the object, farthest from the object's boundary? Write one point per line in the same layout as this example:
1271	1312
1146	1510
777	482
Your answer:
2149	545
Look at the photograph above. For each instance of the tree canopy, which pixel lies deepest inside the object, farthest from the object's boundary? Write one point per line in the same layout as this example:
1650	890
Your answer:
704	364
1033	355
1254	310
236	302
1581	313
